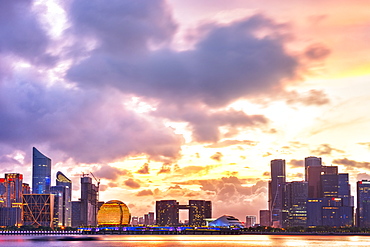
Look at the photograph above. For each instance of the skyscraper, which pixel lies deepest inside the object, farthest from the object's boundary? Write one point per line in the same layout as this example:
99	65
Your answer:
314	174
65	187
311	161
295	202
276	191
89	201
167	212
329	201
199	210
363	204
41	172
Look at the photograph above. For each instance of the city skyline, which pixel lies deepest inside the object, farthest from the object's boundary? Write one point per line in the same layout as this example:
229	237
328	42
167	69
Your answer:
183	100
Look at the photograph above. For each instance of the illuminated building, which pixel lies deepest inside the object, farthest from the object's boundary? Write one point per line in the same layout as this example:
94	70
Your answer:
59	193
226	221
333	207
314	180
250	220
38	209
41	173
198	211
10	216
167	212
64	187
114	213
363	204
295	202
276	192
11	191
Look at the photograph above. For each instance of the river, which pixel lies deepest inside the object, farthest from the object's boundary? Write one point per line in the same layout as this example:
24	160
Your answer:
184	240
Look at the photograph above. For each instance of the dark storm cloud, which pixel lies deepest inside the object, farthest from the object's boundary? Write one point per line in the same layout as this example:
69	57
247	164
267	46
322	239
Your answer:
89	126
21	34
227	64
122	27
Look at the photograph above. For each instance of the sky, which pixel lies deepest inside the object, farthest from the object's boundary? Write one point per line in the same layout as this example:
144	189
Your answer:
184	100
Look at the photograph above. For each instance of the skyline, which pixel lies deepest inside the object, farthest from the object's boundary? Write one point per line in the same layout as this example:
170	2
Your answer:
174	100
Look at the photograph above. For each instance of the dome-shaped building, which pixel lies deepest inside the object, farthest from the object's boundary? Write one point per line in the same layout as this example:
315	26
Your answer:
114	213
226	221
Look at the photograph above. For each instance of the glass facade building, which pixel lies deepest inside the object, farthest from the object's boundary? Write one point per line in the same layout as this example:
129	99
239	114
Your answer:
363	204
276	192
41	172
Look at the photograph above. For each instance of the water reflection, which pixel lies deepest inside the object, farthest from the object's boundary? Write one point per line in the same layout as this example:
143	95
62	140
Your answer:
185	240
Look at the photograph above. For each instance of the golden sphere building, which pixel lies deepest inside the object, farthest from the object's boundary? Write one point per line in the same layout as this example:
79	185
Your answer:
114	213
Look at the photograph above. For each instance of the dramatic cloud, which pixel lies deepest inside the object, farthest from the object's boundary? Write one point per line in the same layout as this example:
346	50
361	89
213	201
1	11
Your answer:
133	184
326	149
145	193
312	97
205	123
111	173
352	163
197	75
122	27
317	52
217	156
296	163
21	34
166	168
228	143
144	169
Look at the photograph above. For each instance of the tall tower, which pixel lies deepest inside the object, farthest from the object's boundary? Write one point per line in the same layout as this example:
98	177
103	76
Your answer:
63	181
41	172
89	201
276	191
295	201
313	162
363	204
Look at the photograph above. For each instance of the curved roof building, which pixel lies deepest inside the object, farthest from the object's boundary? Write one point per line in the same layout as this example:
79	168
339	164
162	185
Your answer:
114	213
226	221
41	172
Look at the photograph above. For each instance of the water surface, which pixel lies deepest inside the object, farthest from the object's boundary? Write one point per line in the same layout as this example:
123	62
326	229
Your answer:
185	240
